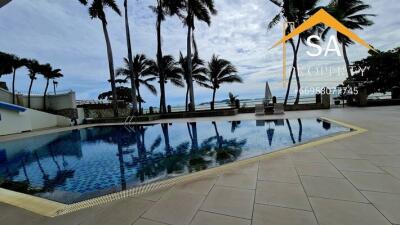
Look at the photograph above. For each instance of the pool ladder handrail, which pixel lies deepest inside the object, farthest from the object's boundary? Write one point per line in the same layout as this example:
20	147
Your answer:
129	120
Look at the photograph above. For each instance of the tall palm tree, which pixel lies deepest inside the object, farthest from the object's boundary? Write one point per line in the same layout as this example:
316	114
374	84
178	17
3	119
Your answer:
170	71
220	71
143	75
296	12
16	64
5	64
201	10
49	74
162	9
129	45
34	68
349	13
198	73
96	10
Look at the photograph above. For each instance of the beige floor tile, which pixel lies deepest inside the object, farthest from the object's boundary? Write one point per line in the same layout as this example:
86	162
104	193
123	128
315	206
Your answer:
363	147
77	217
271	215
238	180
201	185
308	157
282	194
334	212
175	207
147	222
374	182
246	169
339	153
207	218
356	165
282	160
278	173
387	204
154	195
318	169
230	201
122	212
394	171
384	160
333	188
17	216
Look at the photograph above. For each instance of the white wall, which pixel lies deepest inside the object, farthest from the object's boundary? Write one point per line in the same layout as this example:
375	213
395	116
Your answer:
13	122
53	102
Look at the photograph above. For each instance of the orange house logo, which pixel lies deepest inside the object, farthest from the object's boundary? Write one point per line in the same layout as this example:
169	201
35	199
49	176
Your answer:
325	18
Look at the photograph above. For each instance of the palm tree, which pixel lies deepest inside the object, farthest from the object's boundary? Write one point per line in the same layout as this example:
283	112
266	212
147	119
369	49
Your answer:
129	45
170	71
49	74
198	73
96	10
348	12
220	71
16	64
200	9
296	12
5	64
143	75
162	9
34	68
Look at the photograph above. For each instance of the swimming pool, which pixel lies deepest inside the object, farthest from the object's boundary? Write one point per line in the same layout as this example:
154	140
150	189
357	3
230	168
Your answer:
77	165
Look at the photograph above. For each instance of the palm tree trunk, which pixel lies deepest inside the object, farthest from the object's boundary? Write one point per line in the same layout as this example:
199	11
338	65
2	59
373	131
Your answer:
296	102
189	59
111	68
294	67
213	99
346	60
140	100
45	93
13	86
54	88
132	76
163	108
187	98
29	93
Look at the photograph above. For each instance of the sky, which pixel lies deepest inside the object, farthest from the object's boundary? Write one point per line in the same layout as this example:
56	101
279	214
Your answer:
62	33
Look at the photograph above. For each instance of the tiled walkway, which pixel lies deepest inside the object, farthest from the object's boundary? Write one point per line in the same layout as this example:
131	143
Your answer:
354	181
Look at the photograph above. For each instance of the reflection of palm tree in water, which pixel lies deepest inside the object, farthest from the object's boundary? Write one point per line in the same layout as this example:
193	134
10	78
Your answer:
45	176
300	129
197	157
227	150
192	130
24	170
175	159
121	165
291	131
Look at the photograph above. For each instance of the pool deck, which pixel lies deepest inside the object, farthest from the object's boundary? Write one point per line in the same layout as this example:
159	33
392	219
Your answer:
352	181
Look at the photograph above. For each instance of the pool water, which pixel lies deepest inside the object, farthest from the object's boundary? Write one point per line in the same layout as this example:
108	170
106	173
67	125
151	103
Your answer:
77	165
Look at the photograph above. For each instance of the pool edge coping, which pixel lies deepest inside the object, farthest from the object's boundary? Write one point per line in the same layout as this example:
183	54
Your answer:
50	208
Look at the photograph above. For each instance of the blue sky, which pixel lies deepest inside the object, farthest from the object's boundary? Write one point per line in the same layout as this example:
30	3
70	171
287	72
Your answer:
62	33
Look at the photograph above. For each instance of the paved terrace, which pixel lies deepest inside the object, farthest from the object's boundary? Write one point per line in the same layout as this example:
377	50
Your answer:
352	181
